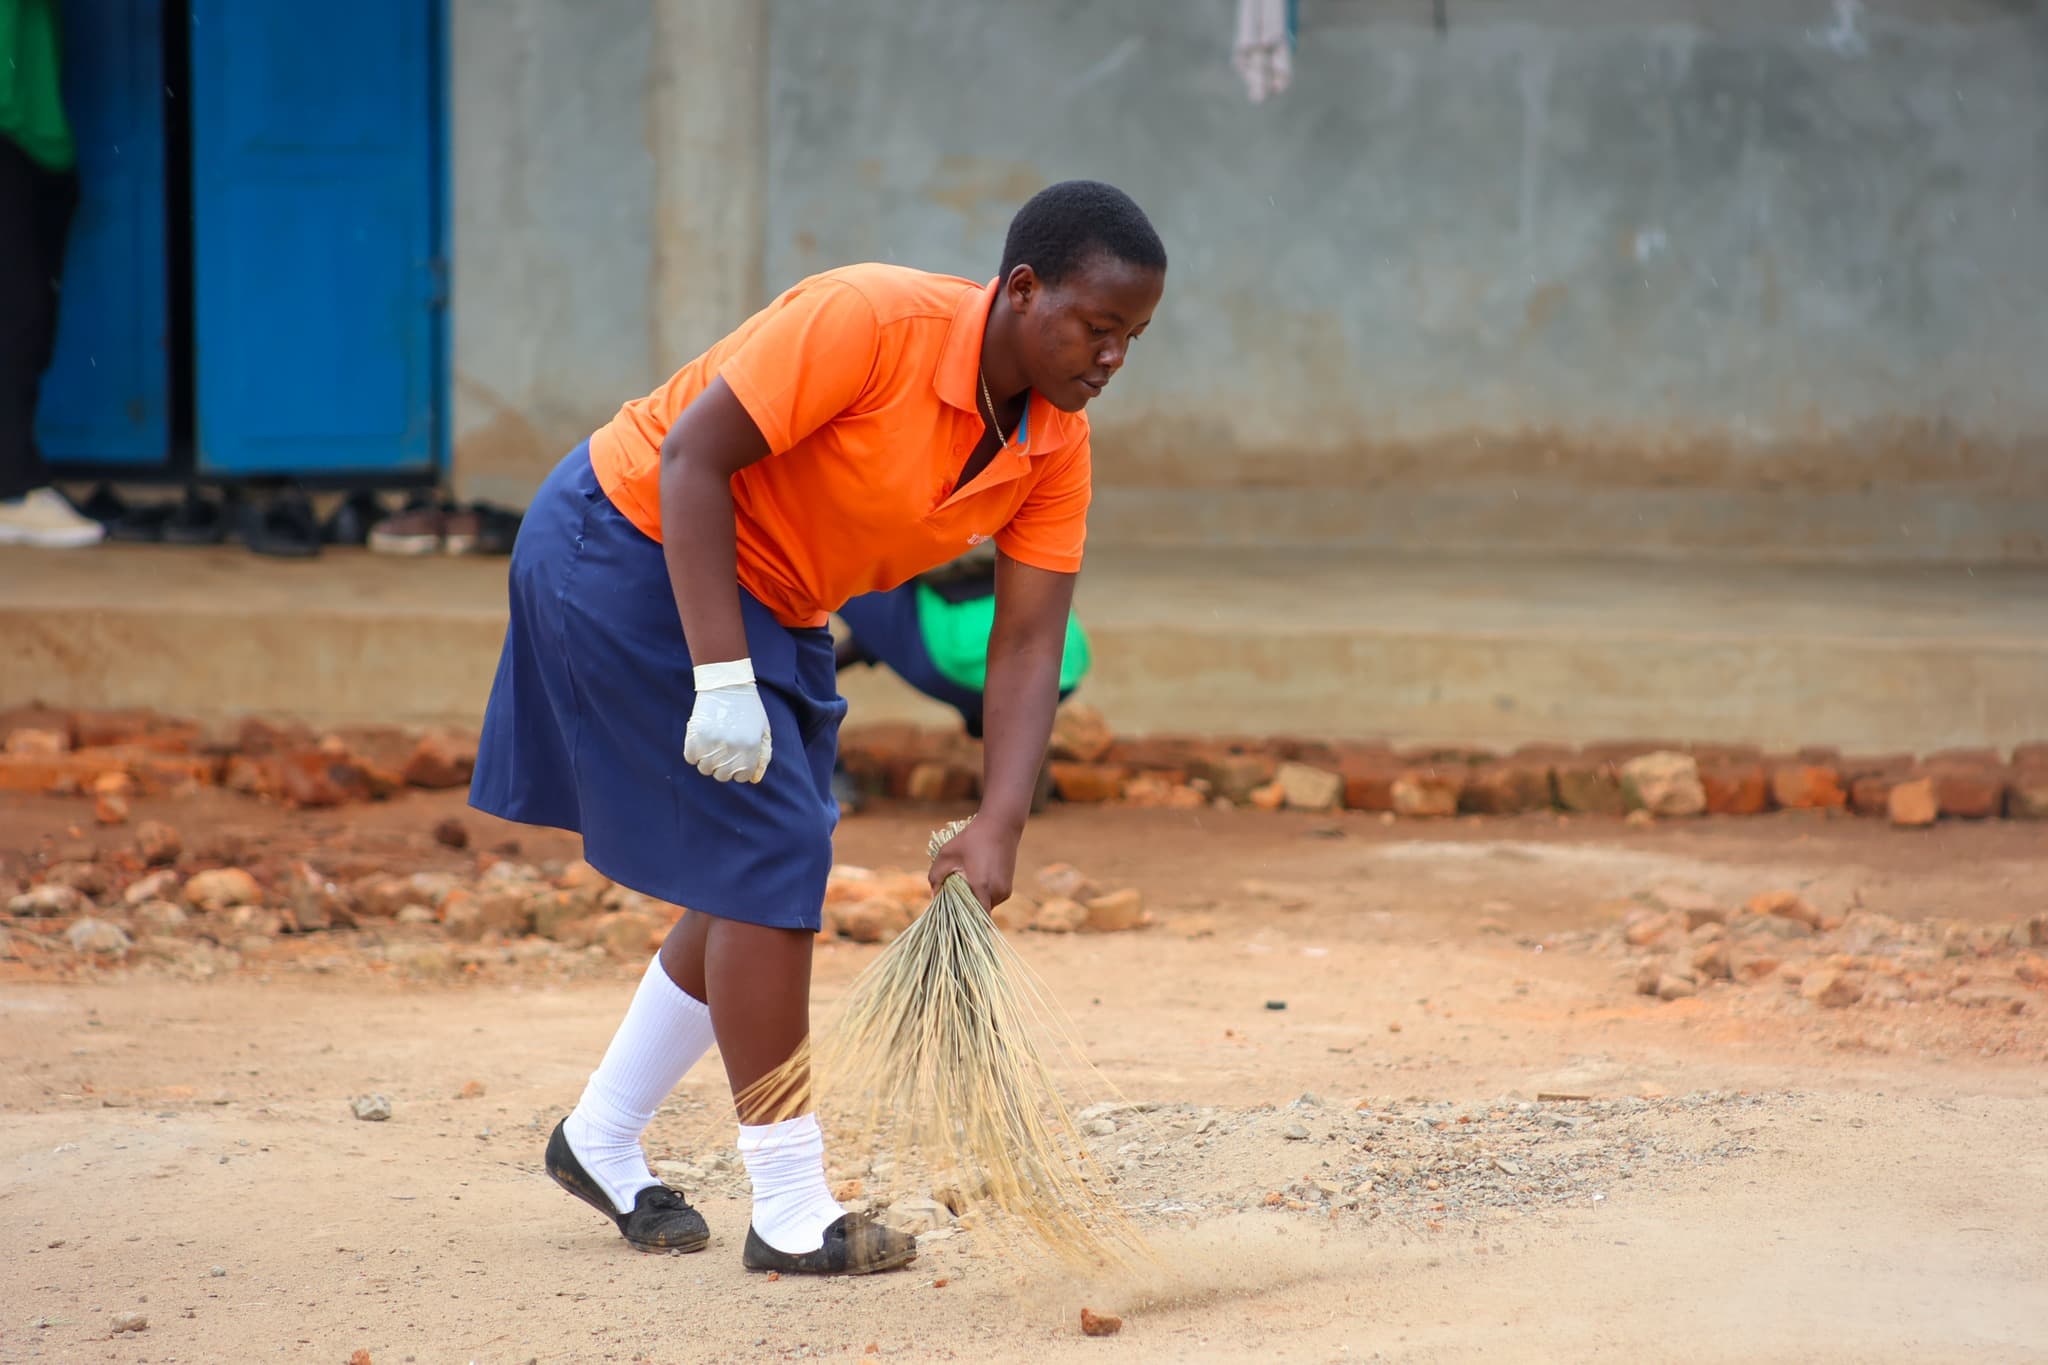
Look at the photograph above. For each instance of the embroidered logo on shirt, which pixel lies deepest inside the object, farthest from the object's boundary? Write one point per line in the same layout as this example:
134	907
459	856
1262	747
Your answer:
976	539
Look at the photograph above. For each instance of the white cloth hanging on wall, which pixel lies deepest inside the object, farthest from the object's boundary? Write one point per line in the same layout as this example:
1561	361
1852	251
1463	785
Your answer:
1264	51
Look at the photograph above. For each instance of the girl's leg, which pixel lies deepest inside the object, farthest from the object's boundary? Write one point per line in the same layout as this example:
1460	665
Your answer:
666	1029
759	981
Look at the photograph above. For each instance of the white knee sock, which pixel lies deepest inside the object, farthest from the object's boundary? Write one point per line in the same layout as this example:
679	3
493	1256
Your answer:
664	1033
786	1162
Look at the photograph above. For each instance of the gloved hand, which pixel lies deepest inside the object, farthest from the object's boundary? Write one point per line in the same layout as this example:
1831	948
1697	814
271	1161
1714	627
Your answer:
728	735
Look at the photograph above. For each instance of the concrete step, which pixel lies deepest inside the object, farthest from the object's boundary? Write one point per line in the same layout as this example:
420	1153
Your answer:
1316	643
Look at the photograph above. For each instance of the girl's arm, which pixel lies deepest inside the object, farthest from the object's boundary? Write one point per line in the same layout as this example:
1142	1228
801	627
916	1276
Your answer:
1024	652
711	441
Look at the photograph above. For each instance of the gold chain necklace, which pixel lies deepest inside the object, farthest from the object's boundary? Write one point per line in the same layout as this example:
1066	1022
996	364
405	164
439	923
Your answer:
993	420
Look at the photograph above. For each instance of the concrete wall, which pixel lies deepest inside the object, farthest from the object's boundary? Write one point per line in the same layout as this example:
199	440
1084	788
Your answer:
1648	275
1713	275
607	200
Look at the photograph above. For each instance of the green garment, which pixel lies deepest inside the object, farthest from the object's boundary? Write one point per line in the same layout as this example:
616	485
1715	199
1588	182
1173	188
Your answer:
31	106
956	635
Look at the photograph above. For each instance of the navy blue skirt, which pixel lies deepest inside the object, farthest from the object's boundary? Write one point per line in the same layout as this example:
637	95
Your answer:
587	717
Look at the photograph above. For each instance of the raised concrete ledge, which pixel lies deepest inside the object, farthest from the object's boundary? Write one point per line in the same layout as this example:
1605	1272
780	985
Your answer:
1321	643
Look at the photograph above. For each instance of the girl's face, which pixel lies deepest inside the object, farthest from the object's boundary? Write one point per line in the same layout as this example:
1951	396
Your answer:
1076	334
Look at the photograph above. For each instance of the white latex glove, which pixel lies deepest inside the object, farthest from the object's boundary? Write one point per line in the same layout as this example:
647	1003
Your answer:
728	736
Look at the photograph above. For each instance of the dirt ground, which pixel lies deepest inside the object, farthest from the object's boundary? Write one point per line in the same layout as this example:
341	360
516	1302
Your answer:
1366	1173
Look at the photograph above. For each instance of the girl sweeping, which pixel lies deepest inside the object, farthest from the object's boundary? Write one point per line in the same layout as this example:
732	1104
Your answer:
667	684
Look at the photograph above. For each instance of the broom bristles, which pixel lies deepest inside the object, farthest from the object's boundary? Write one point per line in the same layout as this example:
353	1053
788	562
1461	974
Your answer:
936	1049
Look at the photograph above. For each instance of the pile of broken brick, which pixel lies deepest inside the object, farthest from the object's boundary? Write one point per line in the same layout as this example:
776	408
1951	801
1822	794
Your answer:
1687	942
110	755
1643	779
219	904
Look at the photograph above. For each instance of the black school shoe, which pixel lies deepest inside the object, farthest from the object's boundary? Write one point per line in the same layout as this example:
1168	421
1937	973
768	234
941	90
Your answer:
284	527
854	1245
352	518
661	1220
199	520
105	506
142	524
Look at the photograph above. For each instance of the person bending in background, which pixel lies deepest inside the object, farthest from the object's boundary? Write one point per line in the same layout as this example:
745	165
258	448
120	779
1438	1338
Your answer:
933	633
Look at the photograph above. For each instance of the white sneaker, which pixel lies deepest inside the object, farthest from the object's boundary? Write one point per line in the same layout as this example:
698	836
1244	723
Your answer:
42	518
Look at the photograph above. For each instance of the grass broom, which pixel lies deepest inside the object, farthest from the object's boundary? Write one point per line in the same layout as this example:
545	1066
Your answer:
937	1048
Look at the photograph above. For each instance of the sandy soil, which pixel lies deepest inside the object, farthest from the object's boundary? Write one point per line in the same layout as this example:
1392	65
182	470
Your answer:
1752	1178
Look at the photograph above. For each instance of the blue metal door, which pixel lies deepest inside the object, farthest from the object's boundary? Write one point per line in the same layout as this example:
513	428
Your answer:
106	398
316	278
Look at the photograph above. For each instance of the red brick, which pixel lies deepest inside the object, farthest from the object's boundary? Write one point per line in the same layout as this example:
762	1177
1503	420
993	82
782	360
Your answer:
441	760
2030	756
1429	792
1735	786
1439	755
1152	791
382	747
1234	776
1087	782
1875	765
261	738
1807	786
895	775
962	766
2027	797
1589	786
1970	792
1364	751
160	773
1315	753
1738	753
938	780
1370	789
249	776
1620	751
1913	802
38	773
1368	775
1079	732
1546	754
104	729
25	742
868	748
1966	758
1871	793
1508	787
36	716
1154	753
78	769
927	781
312	778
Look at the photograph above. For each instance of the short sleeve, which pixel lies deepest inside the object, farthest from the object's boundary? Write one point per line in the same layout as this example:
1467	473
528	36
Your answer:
1052	524
805	362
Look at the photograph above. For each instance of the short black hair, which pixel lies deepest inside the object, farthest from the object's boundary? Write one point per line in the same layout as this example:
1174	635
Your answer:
1063	225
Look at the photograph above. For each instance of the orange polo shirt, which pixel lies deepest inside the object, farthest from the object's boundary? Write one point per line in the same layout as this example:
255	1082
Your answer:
866	383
